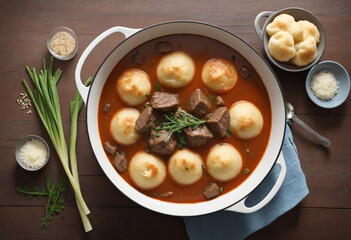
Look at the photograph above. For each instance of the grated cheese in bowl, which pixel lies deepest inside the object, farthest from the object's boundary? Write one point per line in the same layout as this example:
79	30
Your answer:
324	85
32	152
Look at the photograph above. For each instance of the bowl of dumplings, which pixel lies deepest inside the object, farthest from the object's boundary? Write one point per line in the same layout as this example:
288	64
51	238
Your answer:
293	38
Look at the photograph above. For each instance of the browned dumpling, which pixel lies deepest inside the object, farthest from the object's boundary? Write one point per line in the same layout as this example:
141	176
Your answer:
309	30
281	22
146	170
306	52
219	75
281	46
122	126
133	86
176	69
224	162
185	167
246	120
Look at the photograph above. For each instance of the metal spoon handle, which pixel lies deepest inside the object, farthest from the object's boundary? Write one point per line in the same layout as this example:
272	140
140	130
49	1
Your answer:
322	140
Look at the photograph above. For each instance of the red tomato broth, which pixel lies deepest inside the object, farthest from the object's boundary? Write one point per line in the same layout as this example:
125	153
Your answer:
201	49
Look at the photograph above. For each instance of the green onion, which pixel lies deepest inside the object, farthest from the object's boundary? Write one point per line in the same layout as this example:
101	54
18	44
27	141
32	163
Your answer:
246	171
211	98
75	107
186	167
47	103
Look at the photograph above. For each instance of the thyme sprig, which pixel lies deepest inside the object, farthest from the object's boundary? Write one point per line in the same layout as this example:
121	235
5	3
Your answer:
55	194
175	124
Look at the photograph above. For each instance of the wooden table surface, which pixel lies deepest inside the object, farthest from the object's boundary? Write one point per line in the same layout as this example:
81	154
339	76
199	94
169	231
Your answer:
24	25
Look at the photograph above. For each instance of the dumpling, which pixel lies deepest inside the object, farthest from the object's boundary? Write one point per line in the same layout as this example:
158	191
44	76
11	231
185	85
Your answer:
224	162
246	120
306	52
122	126
281	22
281	46
146	170
296	31
219	75
133	86
176	69
185	167
309	30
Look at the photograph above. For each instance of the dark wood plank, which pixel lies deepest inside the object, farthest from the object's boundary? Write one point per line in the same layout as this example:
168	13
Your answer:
108	223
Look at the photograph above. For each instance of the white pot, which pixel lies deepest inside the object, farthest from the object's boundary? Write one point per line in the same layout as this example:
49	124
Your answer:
234	200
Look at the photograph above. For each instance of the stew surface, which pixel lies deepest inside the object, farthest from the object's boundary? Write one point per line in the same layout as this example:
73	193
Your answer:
201	49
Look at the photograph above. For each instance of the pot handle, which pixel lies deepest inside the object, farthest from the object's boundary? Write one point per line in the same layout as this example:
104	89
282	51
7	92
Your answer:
242	208
83	90
258	18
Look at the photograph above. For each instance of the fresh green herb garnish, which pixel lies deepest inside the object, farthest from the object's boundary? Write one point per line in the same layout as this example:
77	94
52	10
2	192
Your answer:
181	141
229	131
55	194
244	146
121	153
157	134
176	124
147	94
157	87
246	171
251	154
221	189
155	194
211	98
147	148
187	168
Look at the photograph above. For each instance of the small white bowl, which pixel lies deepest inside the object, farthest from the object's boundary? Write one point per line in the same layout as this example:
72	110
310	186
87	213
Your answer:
341	76
69	31
20	145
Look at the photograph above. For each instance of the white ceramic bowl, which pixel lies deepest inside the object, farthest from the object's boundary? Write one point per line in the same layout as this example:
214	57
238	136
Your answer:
135	37
341	76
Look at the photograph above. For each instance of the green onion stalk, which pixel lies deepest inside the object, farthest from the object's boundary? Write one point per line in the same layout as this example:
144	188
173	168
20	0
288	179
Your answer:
47	103
75	107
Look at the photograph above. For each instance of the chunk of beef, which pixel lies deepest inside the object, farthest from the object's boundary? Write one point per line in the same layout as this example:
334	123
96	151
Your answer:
219	122
158	142
137	58
245	72
146	120
120	162
163	47
106	108
199	105
197	137
167	194
164	102
110	148
211	191
219	101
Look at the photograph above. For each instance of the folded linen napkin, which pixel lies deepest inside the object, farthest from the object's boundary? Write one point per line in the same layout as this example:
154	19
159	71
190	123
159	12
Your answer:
231	225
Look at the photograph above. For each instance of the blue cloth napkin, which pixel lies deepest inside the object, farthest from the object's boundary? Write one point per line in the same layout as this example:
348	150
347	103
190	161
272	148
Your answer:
231	225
